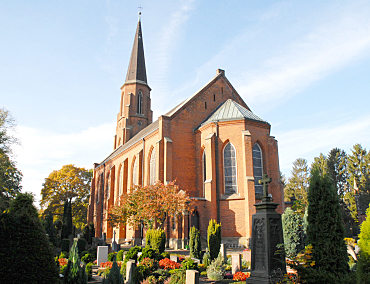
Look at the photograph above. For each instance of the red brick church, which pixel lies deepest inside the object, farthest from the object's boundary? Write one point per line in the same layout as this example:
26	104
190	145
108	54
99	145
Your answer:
212	144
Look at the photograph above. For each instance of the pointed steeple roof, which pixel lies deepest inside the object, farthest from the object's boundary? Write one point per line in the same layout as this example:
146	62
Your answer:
136	70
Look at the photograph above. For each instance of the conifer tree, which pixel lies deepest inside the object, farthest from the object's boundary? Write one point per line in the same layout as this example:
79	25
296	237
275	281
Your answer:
194	243
363	264
50	229
325	228
214	238
294	234
74	273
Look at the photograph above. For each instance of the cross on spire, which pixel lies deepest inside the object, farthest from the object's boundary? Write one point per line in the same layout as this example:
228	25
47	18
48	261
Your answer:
140	9
265	180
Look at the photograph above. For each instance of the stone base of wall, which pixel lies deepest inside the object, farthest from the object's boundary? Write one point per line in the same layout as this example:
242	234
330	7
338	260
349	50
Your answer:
236	242
177	244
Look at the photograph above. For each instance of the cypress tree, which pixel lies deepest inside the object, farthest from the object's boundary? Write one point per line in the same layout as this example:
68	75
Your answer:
325	228
214	238
50	228
194	243
74	273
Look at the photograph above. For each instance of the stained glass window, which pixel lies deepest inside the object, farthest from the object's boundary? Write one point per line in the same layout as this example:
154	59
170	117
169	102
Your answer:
230	169
257	169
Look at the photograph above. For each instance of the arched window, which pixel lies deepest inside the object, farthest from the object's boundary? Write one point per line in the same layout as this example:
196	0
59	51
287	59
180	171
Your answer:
140	102
204	169
108	186
152	168
230	169
120	181
134	173
257	169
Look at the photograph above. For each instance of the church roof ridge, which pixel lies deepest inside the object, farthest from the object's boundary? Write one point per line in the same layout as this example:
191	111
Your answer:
136	69
229	111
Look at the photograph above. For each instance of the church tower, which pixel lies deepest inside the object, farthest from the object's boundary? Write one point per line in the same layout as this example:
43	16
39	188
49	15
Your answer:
135	108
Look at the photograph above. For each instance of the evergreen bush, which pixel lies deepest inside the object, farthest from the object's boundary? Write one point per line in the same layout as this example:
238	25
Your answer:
156	239
81	244
178	277
50	228
194	243
112	256
25	253
294	234
88	270
132	253
214	238
140	273
74	273
363	263
119	256
65	245
216	269
325	228
87	258
150	253
67	220
114	276
206	258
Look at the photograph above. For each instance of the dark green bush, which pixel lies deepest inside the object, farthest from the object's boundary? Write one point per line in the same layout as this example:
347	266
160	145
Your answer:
312	275
114	276
194	243
87	258
363	268
65	245
119	256
140	273
150	253
112	256
88	270
74	273
25	254
165	254
132	253
214	238
156	239
81	244
93	252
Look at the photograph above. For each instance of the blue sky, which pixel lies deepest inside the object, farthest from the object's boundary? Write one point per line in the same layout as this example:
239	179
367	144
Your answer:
304	66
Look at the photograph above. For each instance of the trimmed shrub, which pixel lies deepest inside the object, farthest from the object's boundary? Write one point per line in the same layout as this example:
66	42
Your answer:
65	245
156	239
188	263
81	244
140	273
112	256
132	253
150	253
119	256
214	238
25	252
114	276
194	243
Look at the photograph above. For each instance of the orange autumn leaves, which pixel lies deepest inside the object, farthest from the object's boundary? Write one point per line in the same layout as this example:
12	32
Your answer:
149	204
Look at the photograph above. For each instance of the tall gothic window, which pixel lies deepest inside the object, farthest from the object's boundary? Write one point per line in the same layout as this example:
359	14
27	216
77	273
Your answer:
204	169
257	169
108	186
140	102
120	181
230	169
152	168
134	173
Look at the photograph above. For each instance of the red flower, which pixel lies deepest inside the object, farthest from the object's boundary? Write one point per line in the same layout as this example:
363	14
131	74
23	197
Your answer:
240	276
62	261
167	263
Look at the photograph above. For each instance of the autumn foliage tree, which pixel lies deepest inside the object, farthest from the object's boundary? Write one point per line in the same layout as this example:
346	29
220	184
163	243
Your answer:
149	204
70	184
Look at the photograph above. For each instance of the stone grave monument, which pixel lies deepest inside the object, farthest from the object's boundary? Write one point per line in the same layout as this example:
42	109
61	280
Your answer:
102	255
267	233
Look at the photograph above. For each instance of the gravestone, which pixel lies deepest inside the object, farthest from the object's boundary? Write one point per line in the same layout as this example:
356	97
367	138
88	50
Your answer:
174	258
102	254
236	263
130	266
223	252
192	277
267	233
115	246
247	255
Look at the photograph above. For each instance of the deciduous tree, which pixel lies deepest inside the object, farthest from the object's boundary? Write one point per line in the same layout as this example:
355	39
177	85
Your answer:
71	184
149	204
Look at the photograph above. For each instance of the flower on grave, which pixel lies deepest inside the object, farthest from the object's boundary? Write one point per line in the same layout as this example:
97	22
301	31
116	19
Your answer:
240	276
62	261
167	264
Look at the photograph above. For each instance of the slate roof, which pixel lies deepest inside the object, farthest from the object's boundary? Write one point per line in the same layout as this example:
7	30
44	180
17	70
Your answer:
142	134
228	111
136	70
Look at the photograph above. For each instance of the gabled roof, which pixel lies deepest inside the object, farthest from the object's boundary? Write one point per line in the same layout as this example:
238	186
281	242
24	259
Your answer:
136	70
142	134
220	73
228	111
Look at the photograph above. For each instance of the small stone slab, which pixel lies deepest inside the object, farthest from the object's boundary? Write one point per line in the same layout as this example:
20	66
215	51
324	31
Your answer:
236	263
102	254
223	251
130	266
192	277
174	258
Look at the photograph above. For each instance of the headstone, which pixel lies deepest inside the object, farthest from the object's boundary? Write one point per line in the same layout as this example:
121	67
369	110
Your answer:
130	266
247	255
236	263
174	258
267	233
223	252
196	260
102	254
115	246
192	277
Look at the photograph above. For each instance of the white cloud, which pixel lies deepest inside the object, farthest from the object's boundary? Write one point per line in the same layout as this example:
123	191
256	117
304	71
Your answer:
309	142
42	152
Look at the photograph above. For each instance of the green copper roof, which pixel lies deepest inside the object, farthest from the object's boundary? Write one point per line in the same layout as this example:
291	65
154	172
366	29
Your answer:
230	110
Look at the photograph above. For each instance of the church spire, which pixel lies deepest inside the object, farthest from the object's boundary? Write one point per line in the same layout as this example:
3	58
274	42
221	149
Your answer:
136	70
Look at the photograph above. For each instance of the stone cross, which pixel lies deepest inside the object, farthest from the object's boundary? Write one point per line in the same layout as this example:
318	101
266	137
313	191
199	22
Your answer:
114	236
265	180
